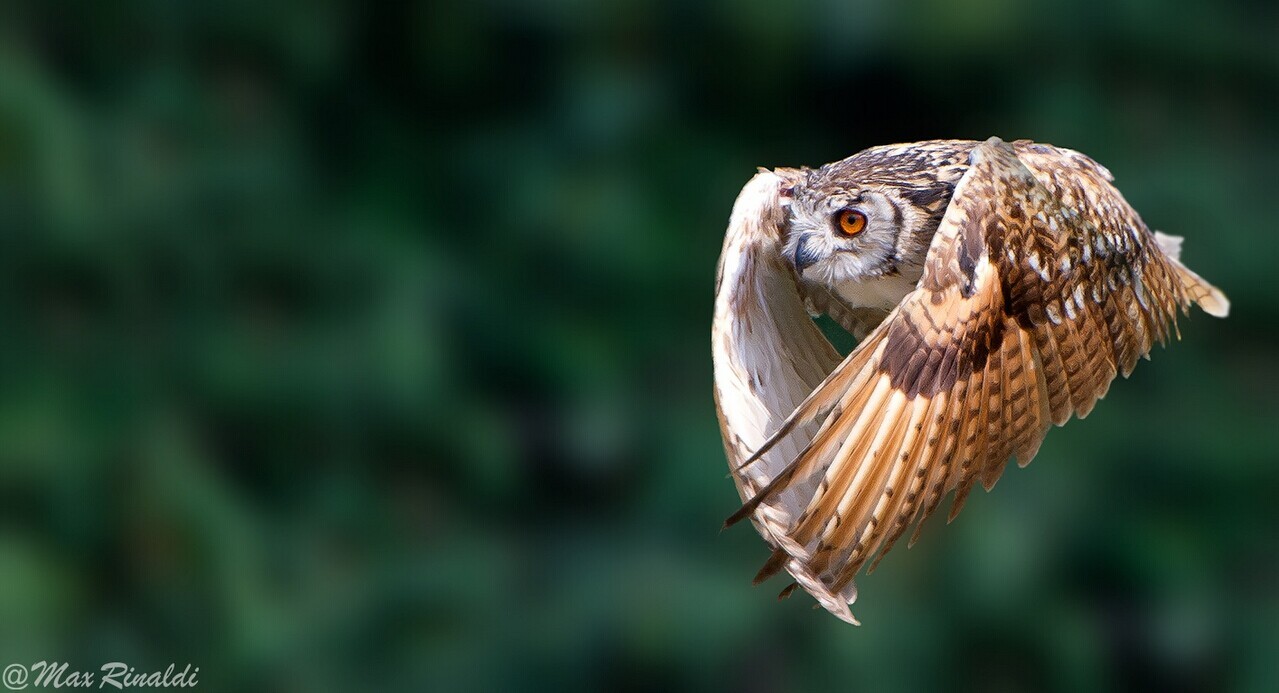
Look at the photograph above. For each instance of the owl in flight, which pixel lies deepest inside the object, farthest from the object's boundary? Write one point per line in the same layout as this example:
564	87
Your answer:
995	289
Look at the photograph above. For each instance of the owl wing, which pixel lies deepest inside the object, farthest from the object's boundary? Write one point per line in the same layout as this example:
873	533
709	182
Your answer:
1027	309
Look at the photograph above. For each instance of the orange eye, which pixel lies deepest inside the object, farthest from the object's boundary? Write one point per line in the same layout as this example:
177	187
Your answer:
850	221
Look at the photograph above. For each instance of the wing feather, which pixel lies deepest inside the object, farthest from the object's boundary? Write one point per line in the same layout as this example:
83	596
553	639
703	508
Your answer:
905	455
945	468
1055	372
851	517
922	454
999	424
846	468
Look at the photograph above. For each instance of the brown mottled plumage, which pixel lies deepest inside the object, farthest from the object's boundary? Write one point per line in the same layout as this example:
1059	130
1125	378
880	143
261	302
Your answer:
996	289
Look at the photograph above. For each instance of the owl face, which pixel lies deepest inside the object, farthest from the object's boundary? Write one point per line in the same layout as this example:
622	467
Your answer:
850	234
861	227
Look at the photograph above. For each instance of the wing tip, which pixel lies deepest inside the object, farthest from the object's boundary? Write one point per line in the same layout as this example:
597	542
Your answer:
1215	303
1210	299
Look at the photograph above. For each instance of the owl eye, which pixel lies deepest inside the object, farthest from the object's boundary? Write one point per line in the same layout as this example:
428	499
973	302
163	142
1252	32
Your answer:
850	222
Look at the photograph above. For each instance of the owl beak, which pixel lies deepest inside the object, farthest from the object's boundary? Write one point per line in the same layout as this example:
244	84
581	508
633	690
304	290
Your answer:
805	256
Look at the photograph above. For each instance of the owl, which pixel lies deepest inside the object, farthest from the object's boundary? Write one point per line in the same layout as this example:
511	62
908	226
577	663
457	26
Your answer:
995	289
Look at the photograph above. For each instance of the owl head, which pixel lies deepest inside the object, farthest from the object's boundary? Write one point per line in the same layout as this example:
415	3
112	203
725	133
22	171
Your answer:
871	215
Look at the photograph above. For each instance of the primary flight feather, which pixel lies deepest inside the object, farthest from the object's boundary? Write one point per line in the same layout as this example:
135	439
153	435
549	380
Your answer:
996	289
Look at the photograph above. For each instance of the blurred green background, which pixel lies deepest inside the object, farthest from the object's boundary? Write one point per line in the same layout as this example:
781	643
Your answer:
364	346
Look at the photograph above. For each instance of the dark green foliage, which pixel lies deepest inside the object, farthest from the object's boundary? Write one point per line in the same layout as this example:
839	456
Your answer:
358	346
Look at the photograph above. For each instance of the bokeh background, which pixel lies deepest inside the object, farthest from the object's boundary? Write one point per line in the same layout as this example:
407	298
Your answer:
364	346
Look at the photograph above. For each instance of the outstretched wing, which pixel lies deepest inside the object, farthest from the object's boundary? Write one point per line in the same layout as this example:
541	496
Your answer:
1025	313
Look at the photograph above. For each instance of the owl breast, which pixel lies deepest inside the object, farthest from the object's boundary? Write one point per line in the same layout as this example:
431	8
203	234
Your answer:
883	293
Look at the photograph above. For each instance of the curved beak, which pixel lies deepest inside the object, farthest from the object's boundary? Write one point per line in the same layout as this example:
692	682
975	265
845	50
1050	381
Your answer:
805	255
